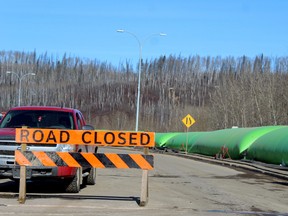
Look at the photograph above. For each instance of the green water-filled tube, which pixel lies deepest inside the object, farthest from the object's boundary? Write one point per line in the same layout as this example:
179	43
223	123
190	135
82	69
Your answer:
162	138
235	140
271	148
183	141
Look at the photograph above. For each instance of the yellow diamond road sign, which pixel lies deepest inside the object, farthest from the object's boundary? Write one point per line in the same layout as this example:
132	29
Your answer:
188	120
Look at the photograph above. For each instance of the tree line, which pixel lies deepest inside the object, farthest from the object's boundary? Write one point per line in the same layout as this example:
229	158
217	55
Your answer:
219	92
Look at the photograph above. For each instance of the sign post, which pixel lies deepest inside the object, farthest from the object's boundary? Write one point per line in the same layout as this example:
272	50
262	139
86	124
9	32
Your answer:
188	121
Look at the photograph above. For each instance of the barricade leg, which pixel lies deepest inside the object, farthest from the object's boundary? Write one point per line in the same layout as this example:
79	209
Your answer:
144	189
144	186
22	184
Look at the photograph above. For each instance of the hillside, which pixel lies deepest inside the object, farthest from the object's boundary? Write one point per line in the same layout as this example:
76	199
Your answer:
218	92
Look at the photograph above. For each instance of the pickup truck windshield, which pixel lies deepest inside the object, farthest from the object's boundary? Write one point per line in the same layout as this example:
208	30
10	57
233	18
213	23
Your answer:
38	119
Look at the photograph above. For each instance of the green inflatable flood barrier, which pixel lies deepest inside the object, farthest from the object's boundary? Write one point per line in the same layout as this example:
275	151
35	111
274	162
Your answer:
252	136
236	141
271	148
162	138
183	141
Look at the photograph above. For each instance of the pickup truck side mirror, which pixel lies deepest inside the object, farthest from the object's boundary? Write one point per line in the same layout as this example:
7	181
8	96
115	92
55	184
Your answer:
87	127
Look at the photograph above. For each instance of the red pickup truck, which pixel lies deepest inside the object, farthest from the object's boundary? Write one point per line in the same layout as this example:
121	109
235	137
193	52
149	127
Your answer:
44	117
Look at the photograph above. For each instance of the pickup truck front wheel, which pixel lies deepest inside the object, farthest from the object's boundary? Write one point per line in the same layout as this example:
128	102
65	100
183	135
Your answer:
91	178
73	185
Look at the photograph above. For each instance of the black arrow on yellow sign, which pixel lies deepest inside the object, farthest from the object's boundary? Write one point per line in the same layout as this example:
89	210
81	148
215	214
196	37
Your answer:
188	120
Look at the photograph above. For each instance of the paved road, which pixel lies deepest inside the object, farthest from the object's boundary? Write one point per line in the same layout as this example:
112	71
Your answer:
177	186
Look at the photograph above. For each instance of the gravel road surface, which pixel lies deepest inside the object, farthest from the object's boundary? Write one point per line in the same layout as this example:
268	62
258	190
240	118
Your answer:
177	186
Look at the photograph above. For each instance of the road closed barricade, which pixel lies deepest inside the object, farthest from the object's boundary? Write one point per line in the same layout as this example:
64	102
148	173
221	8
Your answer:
85	137
83	159
25	158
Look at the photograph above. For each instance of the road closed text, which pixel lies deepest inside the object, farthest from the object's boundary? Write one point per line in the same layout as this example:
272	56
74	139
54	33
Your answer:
85	137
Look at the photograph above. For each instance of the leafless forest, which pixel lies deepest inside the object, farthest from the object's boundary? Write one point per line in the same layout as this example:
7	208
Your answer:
218	92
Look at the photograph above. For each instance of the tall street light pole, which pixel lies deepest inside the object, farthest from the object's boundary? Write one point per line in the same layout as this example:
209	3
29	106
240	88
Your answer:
139	68
20	82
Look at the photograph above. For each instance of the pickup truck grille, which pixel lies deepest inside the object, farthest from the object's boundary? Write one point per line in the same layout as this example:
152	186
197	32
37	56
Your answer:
13	143
7	137
6	152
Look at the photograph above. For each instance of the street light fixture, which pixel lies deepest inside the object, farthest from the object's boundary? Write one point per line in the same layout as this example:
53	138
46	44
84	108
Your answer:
20	82
139	69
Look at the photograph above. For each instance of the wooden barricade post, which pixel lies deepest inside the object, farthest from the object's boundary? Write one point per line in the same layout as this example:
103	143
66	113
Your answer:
22	184
144	186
